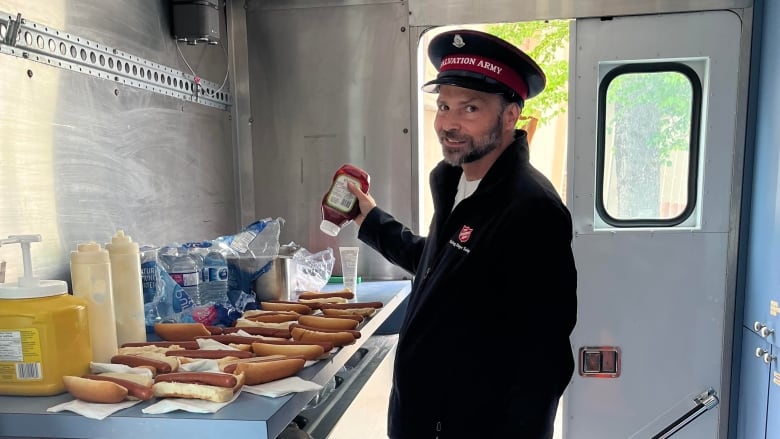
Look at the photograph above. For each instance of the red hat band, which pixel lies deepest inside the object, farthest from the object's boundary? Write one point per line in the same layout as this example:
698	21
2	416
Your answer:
488	67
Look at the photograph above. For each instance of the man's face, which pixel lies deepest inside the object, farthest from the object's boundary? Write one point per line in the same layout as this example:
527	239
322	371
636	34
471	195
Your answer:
469	124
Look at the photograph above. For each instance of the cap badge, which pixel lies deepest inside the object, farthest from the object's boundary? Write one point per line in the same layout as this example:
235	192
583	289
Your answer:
458	41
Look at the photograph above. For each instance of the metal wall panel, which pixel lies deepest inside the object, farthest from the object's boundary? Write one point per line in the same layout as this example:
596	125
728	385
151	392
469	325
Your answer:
438	12
82	156
330	85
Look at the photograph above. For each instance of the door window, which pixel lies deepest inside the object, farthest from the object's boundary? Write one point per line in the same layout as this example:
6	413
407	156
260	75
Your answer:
648	137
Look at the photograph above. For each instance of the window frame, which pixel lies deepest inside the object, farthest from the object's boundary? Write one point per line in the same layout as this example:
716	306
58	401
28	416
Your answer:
694	143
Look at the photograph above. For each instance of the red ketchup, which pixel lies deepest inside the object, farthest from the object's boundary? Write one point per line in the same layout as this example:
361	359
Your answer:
339	205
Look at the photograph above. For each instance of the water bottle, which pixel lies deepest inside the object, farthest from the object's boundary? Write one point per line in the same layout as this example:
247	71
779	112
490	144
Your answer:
150	273
184	270
152	286
215	279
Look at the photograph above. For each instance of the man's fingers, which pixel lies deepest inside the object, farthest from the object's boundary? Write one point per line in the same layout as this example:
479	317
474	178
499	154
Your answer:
355	189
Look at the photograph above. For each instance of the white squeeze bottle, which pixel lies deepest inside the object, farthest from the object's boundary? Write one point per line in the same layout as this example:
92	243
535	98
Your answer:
90	272
128	290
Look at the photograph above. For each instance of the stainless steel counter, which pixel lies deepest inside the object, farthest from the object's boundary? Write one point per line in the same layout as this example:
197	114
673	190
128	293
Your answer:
249	416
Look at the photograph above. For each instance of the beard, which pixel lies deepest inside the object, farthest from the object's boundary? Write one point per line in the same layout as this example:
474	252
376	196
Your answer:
472	149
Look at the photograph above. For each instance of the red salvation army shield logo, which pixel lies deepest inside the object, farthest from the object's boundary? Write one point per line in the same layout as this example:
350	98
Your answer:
465	233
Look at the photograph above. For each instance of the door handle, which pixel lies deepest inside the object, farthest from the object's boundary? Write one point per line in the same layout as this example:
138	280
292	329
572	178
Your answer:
704	401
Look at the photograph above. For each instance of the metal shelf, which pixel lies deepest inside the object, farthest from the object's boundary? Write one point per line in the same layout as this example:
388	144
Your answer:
40	43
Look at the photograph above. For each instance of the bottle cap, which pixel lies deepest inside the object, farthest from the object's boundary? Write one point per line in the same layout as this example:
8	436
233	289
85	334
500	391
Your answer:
29	286
329	228
89	253
121	243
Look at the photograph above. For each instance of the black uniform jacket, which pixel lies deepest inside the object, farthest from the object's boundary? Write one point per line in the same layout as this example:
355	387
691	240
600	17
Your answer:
484	346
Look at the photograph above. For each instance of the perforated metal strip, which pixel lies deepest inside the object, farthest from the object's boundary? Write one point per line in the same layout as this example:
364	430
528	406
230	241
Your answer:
64	50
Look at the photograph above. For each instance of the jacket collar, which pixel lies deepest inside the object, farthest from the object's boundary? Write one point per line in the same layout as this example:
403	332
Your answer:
444	177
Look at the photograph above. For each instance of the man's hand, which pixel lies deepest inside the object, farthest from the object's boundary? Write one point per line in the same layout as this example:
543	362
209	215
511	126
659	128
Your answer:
365	201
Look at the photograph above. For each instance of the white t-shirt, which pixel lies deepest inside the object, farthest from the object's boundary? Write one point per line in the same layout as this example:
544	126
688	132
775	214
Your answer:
465	189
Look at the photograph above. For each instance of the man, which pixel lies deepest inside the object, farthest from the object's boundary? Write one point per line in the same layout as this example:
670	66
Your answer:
484	348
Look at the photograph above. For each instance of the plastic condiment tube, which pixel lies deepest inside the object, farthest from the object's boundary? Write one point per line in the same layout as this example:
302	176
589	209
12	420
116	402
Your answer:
349	264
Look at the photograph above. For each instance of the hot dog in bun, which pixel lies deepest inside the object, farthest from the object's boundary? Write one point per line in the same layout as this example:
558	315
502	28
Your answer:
109	388
260	370
210	386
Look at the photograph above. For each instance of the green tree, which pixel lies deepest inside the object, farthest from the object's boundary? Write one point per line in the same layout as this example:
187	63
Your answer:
651	118
546	40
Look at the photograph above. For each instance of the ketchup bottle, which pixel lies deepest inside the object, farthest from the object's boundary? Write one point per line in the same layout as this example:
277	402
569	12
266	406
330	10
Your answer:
339	205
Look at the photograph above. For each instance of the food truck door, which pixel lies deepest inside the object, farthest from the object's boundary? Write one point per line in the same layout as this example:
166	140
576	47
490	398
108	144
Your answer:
654	153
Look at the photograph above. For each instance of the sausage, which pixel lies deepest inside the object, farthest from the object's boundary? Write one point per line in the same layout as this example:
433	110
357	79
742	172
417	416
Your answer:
283	305
323	295
214	330
137	360
139	391
218	379
210	353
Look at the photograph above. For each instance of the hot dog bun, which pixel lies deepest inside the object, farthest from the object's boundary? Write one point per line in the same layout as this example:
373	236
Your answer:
327	322
319	300
210	386
139	387
161	344
212	354
180	331
138	378
246	323
337	338
364	312
88	390
257	330
357	317
355	333
270	316
151	349
265	371
307	351
326	346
